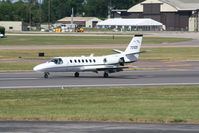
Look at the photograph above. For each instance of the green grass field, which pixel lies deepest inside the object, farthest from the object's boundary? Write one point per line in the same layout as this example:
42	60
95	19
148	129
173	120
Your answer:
20	65
169	54
153	54
137	104
79	40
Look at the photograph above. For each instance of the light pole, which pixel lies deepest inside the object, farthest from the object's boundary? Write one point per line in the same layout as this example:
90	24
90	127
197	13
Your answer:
30	15
49	5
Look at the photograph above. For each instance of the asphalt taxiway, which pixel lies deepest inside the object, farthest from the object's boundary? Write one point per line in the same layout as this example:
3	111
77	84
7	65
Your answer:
94	127
20	80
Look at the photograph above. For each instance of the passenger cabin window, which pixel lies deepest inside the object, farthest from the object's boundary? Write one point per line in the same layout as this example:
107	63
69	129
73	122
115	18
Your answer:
75	61
94	60
90	60
57	61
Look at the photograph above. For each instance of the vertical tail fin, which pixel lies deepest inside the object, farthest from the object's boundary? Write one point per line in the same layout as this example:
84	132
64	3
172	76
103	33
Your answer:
135	45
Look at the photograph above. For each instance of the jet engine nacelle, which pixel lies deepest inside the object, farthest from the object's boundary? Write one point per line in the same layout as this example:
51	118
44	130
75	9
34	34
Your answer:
119	60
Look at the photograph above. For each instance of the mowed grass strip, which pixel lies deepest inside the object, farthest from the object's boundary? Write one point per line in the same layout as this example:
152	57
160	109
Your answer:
21	56
137	104
49	53
17	66
152	54
80	40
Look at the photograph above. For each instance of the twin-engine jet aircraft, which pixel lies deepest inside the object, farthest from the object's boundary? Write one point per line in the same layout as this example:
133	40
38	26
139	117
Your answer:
108	64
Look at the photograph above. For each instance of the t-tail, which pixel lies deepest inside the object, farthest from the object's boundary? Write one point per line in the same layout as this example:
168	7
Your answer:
135	45
133	50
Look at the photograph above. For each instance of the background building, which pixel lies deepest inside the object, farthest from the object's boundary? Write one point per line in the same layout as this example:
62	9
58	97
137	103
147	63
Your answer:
88	22
142	24
179	15
13	25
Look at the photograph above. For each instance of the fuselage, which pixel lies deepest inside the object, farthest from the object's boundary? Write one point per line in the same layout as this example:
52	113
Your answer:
109	63
82	63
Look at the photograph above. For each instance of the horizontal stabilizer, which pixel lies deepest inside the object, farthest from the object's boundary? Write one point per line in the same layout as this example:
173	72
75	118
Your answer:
117	51
137	53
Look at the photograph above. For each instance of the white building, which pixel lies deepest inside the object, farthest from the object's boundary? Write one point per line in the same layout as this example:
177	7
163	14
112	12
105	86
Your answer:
89	22
143	24
12	25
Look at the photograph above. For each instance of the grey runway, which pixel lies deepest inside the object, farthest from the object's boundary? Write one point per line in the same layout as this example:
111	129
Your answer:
12	80
94	127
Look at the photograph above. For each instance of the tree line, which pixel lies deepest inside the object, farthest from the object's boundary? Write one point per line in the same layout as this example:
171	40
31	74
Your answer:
41	11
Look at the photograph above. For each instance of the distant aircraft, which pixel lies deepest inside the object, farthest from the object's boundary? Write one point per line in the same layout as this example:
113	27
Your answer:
108	64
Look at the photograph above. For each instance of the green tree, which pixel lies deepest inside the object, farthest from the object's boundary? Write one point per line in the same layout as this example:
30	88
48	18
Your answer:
6	11
98	8
2	30
123	4
20	11
60	9
36	12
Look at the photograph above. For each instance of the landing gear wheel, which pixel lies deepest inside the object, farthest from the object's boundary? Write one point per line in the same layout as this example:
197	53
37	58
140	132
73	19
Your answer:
76	74
46	75
106	75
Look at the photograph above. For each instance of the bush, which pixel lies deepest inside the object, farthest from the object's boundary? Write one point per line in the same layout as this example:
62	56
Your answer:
2	30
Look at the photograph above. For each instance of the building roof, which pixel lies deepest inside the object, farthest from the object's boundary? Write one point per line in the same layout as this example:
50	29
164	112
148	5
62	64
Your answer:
183	4
77	18
168	5
130	22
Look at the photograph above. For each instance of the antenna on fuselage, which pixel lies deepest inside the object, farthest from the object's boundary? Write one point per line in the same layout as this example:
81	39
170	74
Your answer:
92	55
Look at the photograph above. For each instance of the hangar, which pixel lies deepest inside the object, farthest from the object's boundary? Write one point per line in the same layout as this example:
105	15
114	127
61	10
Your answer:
142	24
89	22
176	15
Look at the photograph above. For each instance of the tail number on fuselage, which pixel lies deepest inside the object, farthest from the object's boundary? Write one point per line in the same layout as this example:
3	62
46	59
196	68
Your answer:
134	47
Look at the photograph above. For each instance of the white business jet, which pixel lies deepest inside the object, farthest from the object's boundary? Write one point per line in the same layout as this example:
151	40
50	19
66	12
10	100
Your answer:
108	64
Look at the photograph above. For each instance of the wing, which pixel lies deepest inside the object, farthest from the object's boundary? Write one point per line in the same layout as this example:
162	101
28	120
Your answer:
109	68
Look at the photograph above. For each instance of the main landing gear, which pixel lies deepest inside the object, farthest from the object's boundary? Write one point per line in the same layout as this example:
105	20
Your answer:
76	74
106	75
46	74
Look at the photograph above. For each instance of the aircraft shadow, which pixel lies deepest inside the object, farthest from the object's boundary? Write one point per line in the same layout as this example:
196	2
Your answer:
98	77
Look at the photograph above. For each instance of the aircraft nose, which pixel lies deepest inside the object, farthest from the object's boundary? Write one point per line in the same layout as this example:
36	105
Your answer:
37	68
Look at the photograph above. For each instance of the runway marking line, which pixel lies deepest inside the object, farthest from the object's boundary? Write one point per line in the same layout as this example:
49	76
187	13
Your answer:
3	79
99	85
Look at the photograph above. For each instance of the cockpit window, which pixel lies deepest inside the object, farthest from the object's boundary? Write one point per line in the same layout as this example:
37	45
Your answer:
57	61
